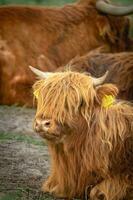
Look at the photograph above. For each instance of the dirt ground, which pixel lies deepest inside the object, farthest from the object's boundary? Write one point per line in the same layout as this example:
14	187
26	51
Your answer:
24	159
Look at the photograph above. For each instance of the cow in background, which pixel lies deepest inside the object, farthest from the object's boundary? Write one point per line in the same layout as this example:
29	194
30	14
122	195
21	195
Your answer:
58	33
89	134
97	62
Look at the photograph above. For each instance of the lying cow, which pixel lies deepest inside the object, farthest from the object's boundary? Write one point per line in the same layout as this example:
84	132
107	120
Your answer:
119	65
59	34
89	134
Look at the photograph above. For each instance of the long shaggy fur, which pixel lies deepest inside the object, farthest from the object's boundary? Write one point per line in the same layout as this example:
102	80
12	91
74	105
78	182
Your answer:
97	62
60	34
97	149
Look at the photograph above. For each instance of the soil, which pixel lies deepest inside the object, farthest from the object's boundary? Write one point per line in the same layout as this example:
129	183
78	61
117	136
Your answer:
23	165
17	120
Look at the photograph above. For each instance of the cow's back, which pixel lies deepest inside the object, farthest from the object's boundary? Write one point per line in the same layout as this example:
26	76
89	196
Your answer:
58	33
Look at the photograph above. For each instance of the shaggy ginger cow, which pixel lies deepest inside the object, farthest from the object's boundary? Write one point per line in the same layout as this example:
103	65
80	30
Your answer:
119	66
89	134
28	33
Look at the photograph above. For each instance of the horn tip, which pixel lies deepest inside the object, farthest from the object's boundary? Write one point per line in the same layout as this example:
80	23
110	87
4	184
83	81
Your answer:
31	67
106	73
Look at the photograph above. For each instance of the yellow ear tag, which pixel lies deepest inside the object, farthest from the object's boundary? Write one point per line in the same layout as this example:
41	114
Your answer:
108	101
36	93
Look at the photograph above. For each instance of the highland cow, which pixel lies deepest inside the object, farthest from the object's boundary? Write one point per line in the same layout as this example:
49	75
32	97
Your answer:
59	34
89	134
96	63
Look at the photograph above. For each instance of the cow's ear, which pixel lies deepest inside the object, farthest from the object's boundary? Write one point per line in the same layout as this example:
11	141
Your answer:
106	94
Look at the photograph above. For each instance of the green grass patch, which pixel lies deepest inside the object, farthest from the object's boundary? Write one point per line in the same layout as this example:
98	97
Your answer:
25	194
20	138
38	2
10	196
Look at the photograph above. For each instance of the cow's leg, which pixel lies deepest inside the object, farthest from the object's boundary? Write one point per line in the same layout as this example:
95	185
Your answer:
50	183
110	189
51	186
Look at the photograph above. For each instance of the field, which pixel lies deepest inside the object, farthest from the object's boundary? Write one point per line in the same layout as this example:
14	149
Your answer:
24	159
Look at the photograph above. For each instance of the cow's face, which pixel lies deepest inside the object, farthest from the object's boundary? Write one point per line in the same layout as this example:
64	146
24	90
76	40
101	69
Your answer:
65	104
50	129
53	130
62	100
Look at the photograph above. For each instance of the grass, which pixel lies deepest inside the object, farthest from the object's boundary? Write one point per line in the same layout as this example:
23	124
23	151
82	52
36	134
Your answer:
20	193
38	2
11	196
25	194
20	138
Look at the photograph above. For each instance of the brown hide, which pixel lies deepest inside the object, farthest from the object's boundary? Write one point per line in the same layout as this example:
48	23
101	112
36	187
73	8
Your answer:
119	65
90	143
58	33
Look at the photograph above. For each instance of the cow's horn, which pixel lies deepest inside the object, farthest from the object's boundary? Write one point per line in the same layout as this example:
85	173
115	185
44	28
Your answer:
100	80
40	73
107	8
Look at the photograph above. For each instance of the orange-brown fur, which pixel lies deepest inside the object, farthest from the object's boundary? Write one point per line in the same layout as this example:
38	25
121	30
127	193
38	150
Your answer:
58	33
119	65
94	144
